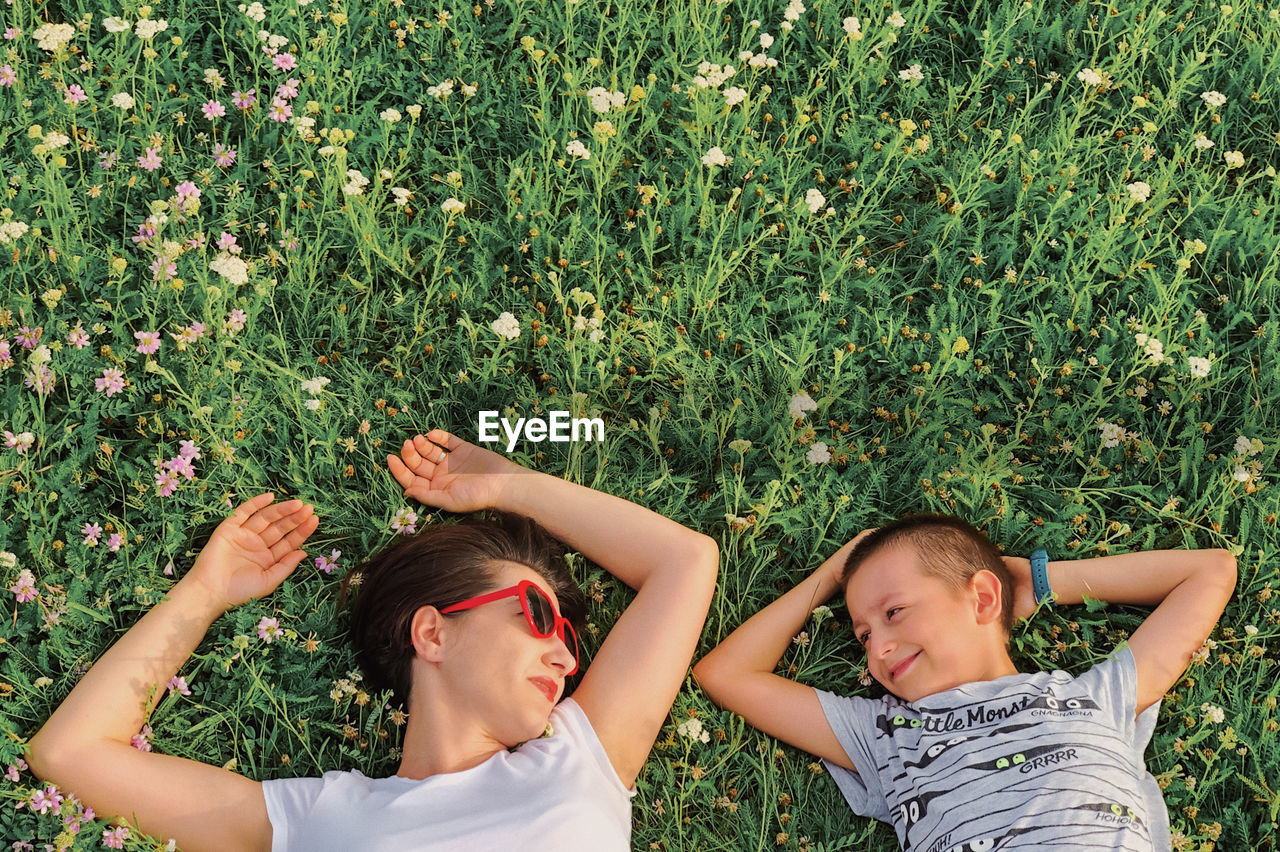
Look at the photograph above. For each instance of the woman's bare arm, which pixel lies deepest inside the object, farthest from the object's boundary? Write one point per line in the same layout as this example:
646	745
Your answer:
85	746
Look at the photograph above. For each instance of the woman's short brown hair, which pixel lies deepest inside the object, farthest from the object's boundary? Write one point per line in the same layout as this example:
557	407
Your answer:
441	566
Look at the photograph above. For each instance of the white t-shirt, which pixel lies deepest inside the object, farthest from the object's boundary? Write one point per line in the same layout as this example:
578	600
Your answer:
556	793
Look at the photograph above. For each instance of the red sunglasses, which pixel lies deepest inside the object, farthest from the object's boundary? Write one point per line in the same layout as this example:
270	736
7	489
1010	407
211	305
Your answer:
539	612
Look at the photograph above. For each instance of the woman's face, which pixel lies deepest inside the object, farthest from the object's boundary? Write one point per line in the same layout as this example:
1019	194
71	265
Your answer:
506	675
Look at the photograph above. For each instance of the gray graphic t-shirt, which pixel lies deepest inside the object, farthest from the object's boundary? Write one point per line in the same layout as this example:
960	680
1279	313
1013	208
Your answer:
1027	761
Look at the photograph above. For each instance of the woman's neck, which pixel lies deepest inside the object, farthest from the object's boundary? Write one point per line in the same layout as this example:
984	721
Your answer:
440	739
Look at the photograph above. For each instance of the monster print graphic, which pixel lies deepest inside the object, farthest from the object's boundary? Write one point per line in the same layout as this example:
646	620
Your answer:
1049	701
1113	812
913	810
1038	756
891	725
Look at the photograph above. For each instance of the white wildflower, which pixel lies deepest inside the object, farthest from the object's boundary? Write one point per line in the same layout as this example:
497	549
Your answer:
1090	77
1112	434
51	37
575	148
231	268
800	403
146	29
818	454
453	206
716	157
506	326
314	386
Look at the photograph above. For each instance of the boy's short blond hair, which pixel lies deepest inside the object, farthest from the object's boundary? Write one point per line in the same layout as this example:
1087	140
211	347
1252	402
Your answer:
950	548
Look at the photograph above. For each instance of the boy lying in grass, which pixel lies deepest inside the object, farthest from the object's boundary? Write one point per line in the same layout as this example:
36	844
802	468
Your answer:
966	753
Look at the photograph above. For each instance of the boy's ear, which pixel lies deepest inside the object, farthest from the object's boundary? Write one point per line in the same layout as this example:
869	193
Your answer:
426	631
985	586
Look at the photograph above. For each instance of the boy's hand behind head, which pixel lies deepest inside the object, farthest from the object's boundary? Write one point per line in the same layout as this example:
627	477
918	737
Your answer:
254	550
1024	596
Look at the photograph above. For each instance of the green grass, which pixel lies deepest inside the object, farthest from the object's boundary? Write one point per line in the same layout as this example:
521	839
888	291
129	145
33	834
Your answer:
963	319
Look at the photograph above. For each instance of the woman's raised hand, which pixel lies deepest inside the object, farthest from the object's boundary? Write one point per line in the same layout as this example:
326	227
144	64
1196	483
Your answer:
254	550
442	470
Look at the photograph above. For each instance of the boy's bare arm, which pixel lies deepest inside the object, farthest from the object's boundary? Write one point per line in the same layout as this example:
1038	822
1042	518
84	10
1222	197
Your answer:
1188	588
739	673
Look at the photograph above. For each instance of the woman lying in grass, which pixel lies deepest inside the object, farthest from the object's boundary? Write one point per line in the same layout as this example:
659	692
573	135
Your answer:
464	623
966	753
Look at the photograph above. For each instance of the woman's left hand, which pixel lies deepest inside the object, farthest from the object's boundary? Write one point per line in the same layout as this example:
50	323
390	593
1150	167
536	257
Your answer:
442	470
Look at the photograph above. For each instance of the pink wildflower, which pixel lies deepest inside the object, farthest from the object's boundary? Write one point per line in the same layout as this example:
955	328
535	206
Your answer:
179	684
108	161
112	381
45	800
190	449
114	838
74	95
21	442
148	341
78	337
244	100
114	543
181	466
213	109
223	156
288	89
28	337
39	379
11	33
405	522
7	76
142	740
235	321
147	232
284	62
14	768
6	357
186	190
163	269
268	629
280	110
24	588
328	564
166	483
150	160
92	532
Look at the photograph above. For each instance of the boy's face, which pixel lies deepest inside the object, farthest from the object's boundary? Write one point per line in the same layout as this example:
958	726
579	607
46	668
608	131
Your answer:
921	635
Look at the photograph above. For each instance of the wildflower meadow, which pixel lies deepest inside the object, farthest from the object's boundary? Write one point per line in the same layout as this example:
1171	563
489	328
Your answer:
813	264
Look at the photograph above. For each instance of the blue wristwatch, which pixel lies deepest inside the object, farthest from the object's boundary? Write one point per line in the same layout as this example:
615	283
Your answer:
1040	577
